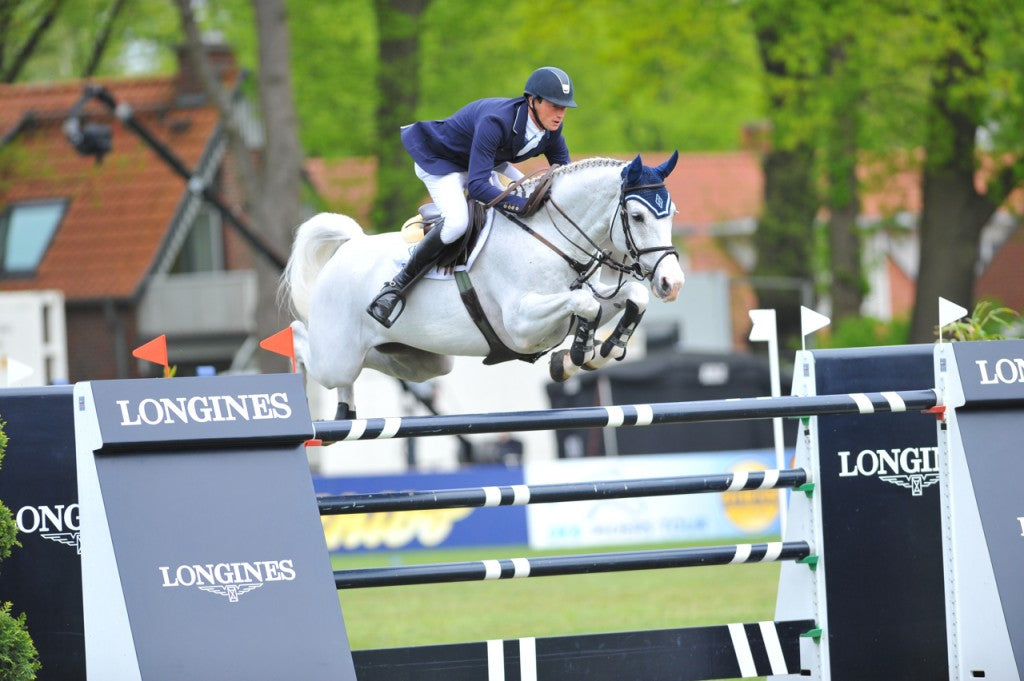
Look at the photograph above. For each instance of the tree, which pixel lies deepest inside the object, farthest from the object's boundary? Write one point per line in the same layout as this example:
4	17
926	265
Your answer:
271	189
398	191
972	76
784	236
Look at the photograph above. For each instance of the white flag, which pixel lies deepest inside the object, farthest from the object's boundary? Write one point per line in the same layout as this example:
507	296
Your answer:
949	312
811	321
16	371
764	329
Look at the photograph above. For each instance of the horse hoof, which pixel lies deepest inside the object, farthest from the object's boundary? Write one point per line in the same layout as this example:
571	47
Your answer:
556	368
344	412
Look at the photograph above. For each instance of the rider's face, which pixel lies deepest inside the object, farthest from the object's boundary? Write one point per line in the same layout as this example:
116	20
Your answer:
548	116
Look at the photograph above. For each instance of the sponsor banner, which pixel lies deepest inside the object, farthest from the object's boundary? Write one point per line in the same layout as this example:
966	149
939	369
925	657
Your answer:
652	519
219	410
424	529
991	372
43	576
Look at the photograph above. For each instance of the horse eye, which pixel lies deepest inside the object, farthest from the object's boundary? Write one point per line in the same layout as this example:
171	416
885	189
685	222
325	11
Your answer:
637	216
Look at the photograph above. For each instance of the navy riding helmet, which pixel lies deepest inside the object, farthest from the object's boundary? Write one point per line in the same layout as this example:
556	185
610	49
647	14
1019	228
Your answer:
552	84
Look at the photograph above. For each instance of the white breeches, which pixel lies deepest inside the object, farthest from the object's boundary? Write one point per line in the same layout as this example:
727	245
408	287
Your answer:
449	195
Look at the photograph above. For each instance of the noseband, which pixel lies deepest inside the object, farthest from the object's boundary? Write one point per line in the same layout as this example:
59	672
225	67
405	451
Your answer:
634	252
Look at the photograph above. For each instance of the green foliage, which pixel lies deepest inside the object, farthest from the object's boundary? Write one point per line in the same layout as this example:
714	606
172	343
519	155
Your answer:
864	332
989	321
18	658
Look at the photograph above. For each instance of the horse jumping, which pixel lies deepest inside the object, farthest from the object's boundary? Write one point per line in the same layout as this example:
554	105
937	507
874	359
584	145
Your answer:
576	262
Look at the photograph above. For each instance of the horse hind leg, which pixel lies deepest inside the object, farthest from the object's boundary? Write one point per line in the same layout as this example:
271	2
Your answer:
408	363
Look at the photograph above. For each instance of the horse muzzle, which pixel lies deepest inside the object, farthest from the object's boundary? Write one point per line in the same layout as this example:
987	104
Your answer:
667	288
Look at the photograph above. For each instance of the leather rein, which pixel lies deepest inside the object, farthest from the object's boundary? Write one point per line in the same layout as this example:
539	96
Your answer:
598	258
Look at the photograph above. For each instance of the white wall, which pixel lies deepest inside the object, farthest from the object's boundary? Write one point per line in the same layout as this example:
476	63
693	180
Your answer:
33	338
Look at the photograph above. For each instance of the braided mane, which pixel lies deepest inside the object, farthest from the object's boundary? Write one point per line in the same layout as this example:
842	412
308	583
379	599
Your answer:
584	164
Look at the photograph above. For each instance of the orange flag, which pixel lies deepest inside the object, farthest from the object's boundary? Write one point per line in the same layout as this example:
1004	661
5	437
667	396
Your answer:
283	343
154	351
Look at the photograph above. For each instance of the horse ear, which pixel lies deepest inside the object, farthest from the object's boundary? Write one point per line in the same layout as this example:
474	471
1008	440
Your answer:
668	166
631	173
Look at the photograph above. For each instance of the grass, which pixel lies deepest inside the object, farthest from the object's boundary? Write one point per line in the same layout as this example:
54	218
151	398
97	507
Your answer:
389	617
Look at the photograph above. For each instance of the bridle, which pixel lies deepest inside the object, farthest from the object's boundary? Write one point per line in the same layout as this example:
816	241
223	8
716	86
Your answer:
634	252
600	258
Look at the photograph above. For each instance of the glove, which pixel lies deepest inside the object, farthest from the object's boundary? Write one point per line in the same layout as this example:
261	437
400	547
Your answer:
513	204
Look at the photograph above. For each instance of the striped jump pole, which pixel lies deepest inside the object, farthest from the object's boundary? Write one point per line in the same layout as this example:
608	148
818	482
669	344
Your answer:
629	415
519	495
549	566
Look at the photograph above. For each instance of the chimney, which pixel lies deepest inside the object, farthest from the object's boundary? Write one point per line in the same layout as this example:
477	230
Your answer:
221	58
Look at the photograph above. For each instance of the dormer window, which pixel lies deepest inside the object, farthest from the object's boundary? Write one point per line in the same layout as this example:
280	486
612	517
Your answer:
26	231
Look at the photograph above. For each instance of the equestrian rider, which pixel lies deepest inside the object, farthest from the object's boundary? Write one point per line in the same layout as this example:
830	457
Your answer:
459	155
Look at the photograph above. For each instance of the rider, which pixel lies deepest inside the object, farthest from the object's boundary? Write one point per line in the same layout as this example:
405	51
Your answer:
458	155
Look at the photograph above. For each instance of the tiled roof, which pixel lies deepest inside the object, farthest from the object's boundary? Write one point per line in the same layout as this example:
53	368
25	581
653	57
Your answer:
119	211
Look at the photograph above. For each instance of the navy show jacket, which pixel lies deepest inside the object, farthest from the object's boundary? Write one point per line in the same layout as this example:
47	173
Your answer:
478	138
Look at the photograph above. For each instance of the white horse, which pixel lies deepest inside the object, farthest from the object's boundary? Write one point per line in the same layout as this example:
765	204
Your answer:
537	279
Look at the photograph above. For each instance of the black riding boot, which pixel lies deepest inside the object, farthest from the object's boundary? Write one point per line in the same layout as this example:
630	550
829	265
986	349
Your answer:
423	256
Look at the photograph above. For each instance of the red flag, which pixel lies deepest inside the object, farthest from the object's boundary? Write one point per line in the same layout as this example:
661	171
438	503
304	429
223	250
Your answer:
154	351
282	342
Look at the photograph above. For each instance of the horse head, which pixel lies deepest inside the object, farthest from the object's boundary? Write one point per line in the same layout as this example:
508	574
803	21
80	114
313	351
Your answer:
646	211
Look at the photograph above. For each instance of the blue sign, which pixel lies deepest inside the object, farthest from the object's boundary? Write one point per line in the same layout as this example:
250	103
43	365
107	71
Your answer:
390	531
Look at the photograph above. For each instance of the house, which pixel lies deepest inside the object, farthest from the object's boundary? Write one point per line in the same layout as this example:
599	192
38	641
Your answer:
134	251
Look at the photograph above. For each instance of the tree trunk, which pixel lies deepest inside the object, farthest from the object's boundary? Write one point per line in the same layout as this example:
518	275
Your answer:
785	229
270	192
953	211
398	189
277	207
846	283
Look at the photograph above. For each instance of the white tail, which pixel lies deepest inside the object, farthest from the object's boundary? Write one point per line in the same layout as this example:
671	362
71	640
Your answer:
316	240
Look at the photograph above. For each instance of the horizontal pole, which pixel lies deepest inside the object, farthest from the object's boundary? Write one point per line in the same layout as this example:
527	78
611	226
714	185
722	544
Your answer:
630	415
518	495
549	566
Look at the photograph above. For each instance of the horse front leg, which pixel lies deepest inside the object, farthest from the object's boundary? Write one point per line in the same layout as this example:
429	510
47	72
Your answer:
634	299
541	315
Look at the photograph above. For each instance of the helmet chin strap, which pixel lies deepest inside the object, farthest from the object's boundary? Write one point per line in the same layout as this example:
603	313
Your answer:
536	116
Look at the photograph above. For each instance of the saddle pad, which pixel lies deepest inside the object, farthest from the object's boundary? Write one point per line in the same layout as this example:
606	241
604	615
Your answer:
402	256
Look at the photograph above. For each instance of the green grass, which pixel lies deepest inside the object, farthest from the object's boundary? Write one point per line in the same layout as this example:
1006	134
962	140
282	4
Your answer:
388	617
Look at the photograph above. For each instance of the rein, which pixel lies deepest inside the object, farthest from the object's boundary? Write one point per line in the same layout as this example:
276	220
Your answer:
598	258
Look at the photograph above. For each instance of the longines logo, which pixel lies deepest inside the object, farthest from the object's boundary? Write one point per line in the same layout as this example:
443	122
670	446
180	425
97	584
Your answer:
914	468
204	409
1007	371
231	580
57	523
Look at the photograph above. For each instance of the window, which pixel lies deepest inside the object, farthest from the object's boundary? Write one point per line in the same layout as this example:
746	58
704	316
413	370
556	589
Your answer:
203	250
26	230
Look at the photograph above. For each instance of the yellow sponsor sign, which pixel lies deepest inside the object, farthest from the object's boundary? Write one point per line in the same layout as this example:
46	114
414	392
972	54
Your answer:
751	511
392	530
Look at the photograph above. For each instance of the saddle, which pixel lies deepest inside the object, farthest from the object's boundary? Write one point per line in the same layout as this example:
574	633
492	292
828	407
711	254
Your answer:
453	254
457	253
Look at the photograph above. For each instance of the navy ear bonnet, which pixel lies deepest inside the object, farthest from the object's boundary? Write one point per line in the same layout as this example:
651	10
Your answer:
647	185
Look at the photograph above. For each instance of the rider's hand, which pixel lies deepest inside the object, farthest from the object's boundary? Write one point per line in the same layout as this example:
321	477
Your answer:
513	204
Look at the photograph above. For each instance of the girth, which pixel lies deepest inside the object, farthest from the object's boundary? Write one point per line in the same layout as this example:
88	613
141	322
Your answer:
499	352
